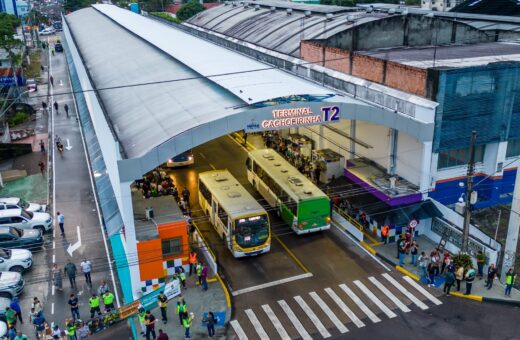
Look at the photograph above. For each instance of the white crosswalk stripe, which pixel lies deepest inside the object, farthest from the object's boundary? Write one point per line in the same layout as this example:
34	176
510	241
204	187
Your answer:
389	294
375	299
405	292
295	321
337	322
315	320
360	303
276	322
345	308
256	324
238	330
422	290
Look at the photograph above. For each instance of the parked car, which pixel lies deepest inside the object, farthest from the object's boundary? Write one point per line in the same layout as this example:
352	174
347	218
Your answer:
11	284
16	202
58	47
47	31
11	237
15	260
25	219
31	85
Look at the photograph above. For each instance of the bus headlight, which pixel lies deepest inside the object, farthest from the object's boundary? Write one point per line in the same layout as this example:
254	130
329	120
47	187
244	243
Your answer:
328	219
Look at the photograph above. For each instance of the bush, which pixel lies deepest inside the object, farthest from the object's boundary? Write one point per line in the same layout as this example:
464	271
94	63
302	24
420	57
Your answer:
18	118
167	17
188	10
462	260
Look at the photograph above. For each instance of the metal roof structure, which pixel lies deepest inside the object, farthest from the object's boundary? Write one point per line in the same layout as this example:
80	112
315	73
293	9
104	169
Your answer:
279	25
493	7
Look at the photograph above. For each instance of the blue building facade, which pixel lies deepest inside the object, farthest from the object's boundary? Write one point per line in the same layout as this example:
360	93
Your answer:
8	6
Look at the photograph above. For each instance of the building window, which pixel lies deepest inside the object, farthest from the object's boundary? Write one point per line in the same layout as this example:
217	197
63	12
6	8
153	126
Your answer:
172	246
513	148
458	157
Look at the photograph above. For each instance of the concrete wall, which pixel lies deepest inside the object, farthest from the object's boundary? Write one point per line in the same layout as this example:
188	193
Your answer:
378	138
410	158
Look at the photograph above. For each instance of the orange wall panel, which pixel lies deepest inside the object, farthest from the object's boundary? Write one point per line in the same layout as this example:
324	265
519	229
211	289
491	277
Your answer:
175	229
150	259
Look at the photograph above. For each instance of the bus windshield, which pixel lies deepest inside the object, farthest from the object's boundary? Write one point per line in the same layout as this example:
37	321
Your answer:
251	231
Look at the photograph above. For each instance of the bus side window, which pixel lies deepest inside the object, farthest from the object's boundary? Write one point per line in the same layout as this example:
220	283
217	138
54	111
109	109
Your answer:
222	215
249	164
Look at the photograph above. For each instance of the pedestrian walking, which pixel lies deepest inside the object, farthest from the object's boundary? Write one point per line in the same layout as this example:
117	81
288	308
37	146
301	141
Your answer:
56	106
186	195
244	137
423	264
481	260
42	68
61	222
66	107
510	281
93	303
42	146
204	277
70	270
446	260
44	106
15	305
181	309
141	314
56	277
492	272
103	288
108	301
435	259
162	335
83	331
86	267
41	165
414	250
186	322
402	251
162	301
51	78
39	325
210	320
70	325
182	276
385	231
398	244
10	316
470	277
150	325
198	270
431	274
193	261
459	275
37	306
448	283
74	307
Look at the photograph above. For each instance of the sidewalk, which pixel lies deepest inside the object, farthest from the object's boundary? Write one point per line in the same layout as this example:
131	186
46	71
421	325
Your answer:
388	252
198	302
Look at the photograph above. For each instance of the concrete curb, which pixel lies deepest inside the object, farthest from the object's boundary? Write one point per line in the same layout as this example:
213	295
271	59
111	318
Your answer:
406	272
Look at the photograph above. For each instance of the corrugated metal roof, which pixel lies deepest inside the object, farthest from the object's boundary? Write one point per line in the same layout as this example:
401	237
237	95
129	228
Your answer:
259	82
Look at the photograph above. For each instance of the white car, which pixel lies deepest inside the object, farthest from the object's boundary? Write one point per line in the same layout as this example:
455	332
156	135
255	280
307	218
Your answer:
47	31
17	202
11	284
22	219
15	260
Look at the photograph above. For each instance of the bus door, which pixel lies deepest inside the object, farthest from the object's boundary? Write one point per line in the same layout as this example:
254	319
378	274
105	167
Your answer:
230	234
214	212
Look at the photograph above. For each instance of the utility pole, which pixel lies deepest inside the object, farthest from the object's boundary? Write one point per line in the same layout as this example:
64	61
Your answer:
469	194
508	261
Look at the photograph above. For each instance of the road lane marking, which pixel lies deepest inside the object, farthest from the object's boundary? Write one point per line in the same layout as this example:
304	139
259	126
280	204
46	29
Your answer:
360	303
53	258
345	308
389	294
238	330
291	254
212	166
256	324
405	292
314	318
375	299
271	284
295	321
53	244
422	290
52	308
337	322
276	322
52	289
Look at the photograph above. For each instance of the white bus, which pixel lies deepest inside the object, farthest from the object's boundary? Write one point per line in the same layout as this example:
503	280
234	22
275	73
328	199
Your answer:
300	203
237	217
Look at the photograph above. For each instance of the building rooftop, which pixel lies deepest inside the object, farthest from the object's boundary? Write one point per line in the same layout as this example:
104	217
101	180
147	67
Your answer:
455	56
490	7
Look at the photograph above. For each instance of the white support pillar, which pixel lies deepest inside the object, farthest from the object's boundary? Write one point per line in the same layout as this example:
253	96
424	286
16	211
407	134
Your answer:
426	167
127	214
352	139
392	152
512	231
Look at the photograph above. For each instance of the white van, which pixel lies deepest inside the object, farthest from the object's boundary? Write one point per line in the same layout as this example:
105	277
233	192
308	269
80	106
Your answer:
17	202
22	219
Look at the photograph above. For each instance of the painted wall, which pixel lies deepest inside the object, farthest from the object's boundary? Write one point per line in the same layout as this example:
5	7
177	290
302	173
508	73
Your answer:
378	138
409	158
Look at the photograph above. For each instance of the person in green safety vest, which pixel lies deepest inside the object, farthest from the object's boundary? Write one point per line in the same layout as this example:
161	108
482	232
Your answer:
510	281
93	303
186	322
71	328
141	313
182	276
182	309
108	301
198	269
10	315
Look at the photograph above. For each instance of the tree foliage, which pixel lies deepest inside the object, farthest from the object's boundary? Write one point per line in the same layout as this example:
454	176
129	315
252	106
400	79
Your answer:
155	5
188	10
167	17
74	5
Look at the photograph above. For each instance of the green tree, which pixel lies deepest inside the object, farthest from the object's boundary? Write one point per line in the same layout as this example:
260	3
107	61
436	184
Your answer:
8	42
155	5
188	10
74	5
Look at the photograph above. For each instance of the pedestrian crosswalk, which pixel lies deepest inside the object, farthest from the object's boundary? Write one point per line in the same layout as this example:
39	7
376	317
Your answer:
333	310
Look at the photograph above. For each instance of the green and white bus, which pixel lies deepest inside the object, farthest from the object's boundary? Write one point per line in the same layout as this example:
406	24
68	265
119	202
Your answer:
300	203
237	217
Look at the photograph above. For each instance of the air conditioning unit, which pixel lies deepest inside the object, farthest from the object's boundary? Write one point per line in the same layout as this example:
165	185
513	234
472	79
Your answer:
149	213
289	11
308	13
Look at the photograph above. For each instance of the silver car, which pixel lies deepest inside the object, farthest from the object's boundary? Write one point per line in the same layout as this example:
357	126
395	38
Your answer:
15	260
19	203
11	284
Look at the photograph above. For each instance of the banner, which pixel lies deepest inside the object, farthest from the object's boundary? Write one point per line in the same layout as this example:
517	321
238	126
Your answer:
172	289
